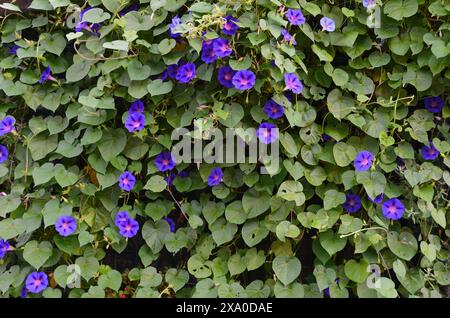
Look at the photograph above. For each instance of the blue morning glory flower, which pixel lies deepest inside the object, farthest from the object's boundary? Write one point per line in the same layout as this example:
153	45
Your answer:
4	248
127	181
243	80
293	83
352	203
172	70
13	49
363	161
46	75
369	3
135	122
267	133
429	152
7	125
3	154
176	21
221	47
327	24
393	209
130	8
165	161
136	107
186	73
295	17
121	217
36	282
65	225
215	177
208	55
171	224
225	76
230	27
128	228
273	109
287	37
378	199
434	104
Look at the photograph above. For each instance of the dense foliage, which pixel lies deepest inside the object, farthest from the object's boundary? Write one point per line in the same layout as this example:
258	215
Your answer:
91	92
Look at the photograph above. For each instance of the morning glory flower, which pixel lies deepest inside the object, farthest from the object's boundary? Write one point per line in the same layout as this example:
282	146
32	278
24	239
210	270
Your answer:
127	181
363	161
7	125
186	73
121	217
172	70
429	152
176	21
46	75
13	49
165	161
225	76
65	225
36	282
133	7
369	4
215	177
393	209
184	174
129	228
4	248
326	137
171	224
273	109
136	107
327	24
3	154
243	80
287	37
91	27
352	203
293	83
135	122
295	17
208	55
230	27
434	104
221	47
267	133
169	179
378	199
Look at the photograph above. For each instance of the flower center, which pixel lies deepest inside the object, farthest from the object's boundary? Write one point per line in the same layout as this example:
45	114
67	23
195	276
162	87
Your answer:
392	208
165	162
227	77
126	181
128	228
37	282
365	161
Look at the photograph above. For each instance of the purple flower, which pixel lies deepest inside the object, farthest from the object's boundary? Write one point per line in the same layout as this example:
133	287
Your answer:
230	27
369	3
352	203
326	137
327	24
24	292
215	177
293	83
133	7
4	248
393	209
295	17
221	47
46	75
13	49
273	109
165	161
287	37
434	104
171	224
429	152
80	26
186	73
136	107
121	218
66	225
225	76
36	282
135	122
172	70
208	55
7	125
184	174
363	161
3	154
378	199
243	80
267	133
129	228
176	21
170	178
127	181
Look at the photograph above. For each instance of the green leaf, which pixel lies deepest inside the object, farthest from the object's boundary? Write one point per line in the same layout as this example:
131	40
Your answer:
76	72
254	232
36	254
155	234
158	87
333	199
113	142
88	266
95	15
286	268
339	105
400	9
255	203
112	279
404	245
357	271
40	146
292	191
156	184
332	242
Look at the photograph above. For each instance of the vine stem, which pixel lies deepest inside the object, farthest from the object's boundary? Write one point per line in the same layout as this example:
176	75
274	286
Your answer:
362	230
176	201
